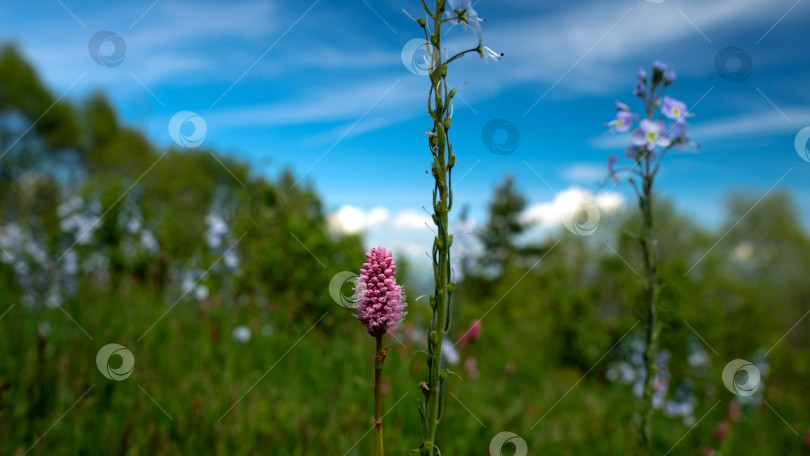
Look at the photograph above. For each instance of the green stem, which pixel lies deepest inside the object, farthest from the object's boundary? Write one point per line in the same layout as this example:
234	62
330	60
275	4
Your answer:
379	357
648	250
438	107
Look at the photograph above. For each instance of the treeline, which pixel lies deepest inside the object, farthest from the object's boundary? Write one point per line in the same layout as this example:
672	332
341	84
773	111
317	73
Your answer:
90	201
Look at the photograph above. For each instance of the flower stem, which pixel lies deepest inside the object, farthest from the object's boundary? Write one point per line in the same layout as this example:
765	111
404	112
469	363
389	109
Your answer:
648	250
379	357
439	102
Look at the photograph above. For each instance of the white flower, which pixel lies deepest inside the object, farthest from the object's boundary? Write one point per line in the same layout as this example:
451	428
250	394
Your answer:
188	283
216	224
449	352
201	292
231	260
148	241
241	334
71	262
133	225
54	299
213	240
486	53
70	205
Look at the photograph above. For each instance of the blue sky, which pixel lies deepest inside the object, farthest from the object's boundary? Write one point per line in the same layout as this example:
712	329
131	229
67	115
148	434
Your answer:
320	87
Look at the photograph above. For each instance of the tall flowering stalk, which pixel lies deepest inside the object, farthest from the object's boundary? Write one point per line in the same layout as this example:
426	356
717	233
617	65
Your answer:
662	127
380	306
440	108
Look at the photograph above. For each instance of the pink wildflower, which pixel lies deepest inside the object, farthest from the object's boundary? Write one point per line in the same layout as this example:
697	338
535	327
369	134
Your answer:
380	301
721	430
471	334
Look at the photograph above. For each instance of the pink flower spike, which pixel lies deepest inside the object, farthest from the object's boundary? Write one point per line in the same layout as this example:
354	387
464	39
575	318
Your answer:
380	301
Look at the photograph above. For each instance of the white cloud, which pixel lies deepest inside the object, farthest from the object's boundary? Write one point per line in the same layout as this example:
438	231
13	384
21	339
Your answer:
409	232
609	202
403	232
351	219
410	219
567	203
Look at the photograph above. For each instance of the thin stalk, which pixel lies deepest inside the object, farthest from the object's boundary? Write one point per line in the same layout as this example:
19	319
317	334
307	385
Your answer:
379	357
648	250
439	100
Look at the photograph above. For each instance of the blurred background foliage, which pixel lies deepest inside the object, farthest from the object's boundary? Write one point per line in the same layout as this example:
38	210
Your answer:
106	238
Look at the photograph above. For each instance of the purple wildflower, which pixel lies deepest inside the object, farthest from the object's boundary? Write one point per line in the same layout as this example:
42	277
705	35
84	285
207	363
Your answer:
642	75
670	77
680	139
380	301
640	90
674	109
621	106
623	122
461	11
650	134
659	66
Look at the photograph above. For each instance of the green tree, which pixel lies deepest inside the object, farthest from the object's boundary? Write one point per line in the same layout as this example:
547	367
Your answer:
504	226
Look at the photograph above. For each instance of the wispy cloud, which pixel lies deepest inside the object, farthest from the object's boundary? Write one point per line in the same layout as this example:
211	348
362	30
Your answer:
340	101
585	173
174	38
543	48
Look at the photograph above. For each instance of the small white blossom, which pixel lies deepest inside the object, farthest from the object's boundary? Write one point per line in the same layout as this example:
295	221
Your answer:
241	334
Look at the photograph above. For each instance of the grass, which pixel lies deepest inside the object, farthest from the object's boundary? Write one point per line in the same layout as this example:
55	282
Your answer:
302	391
